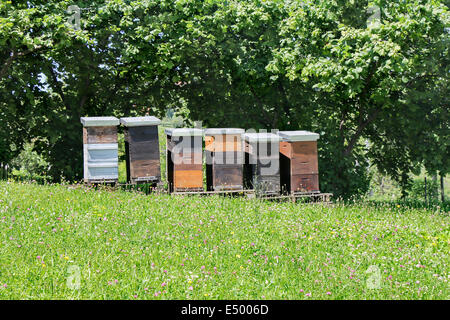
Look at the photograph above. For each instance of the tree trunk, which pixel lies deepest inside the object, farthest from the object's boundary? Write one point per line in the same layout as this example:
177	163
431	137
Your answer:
442	188
434	178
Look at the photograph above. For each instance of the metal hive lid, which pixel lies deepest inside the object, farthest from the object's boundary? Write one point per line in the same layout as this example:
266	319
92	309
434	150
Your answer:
261	137
299	135
183	132
99	121
217	131
140	121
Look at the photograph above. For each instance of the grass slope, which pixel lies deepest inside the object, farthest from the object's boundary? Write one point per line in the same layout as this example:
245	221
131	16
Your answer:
121	245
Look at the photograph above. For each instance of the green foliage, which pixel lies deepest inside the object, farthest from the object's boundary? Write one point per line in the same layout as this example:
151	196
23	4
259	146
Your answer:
29	165
130	246
418	189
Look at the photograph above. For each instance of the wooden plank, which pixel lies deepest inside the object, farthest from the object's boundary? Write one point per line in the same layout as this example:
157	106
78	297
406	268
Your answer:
102	173
188	166
95	135
227	177
100	161
101	155
268	150
225	158
188	179
268	167
146	150
304	165
180	144
286	149
304	148
267	184
304	182
142	134
223	143
145	168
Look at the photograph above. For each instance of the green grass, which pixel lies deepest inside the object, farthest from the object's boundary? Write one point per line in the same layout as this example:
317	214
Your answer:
131	246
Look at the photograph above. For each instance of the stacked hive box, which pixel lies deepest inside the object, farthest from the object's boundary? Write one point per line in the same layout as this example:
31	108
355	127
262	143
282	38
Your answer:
142	149
100	149
184	159
224	159
262	166
298	161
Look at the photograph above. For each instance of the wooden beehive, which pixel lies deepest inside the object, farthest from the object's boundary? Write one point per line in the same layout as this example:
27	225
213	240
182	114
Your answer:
262	165
184	159
142	149
100	149
299	161
224	159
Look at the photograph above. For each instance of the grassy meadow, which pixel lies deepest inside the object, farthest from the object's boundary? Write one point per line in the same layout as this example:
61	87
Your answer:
72	242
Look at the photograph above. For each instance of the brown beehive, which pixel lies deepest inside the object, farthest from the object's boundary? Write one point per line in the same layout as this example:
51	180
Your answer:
184	159
299	161
142	149
224	159
100	149
262	162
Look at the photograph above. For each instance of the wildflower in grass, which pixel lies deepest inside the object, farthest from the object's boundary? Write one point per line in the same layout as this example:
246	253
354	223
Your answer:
238	256
38	257
308	294
328	293
202	267
191	288
163	284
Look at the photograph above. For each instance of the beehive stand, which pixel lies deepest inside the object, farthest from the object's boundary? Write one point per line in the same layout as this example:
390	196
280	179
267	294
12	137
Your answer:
100	149
262	153
224	159
298	161
184	159
142	149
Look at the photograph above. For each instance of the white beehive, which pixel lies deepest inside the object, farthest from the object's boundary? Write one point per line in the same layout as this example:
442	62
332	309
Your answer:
100	146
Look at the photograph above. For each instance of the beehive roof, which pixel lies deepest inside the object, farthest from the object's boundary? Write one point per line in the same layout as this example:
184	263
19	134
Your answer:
299	135
140	121
261	137
183	132
216	131
99	121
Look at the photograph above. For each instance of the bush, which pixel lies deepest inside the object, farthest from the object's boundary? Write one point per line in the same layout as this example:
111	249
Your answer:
418	189
29	165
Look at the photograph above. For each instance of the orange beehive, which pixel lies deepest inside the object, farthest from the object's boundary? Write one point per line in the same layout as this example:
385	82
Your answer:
299	161
184	159
224	159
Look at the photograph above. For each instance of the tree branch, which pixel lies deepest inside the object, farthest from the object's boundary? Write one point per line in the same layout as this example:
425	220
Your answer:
58	87
361	126
14	55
